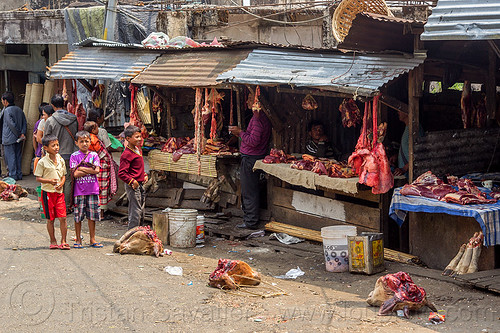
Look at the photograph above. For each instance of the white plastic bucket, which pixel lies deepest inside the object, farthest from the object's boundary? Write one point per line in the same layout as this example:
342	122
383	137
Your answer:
335	247
200	229
182	227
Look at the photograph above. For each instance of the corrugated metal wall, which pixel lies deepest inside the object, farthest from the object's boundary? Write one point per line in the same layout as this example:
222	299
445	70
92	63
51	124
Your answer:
458	152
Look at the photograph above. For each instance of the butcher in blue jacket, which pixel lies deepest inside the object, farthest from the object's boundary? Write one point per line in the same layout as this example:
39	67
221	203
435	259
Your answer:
13	129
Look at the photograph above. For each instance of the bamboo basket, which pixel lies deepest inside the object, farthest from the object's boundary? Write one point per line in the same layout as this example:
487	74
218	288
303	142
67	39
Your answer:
346	12
159	160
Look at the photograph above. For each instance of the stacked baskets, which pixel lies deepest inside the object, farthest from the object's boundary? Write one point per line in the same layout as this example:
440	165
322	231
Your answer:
346	12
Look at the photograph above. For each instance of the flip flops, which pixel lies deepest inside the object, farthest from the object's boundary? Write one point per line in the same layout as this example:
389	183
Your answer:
54	247
64	246
78	246
96	245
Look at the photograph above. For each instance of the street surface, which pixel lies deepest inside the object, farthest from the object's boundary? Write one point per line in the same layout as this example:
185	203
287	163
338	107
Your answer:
93	290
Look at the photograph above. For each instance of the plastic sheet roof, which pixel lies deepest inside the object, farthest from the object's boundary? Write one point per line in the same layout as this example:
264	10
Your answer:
102	64
463	20
353	73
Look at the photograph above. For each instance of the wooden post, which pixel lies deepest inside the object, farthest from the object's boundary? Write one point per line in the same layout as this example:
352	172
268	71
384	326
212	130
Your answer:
160	226
415	80
238	106
491	83
169	117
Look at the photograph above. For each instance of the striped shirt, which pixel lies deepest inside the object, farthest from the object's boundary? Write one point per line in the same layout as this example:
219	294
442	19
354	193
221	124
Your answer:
255	140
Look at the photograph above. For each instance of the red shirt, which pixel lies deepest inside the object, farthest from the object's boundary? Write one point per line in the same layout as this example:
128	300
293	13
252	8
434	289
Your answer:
131	166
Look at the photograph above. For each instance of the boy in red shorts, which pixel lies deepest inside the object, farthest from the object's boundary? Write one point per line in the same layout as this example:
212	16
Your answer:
51	173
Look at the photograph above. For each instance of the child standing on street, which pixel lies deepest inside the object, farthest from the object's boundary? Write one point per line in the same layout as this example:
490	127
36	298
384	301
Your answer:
131	171
84	166
51	173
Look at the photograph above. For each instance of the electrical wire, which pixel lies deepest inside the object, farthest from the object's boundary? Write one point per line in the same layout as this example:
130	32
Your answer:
278	21
273	14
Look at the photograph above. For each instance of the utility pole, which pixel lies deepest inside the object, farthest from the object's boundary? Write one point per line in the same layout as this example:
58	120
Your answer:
110	23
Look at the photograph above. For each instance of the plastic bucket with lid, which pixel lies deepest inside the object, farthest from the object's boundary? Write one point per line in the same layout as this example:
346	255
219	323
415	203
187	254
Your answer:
335	247
182	227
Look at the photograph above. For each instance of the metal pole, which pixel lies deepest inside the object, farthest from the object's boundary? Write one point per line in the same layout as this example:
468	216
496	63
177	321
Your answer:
110	23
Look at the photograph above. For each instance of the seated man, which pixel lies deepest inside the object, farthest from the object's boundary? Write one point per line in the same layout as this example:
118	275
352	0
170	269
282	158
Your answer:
319	146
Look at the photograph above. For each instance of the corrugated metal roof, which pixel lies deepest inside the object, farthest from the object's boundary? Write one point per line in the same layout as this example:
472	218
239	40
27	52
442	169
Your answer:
375	33
463	20
361	74
102	64
193	68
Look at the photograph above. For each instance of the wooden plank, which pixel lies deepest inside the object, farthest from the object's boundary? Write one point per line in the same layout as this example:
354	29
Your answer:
479	275
195	204
363	195
394	103
158	202
190	193
163	193
160	226
322	207
295	218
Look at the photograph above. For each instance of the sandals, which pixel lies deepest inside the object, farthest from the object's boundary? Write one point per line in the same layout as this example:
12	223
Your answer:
78	246
64	246
54	247
96	245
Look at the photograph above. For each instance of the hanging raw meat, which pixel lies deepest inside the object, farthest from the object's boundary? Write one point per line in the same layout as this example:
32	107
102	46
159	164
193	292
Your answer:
77	108
97	95
370	161
466	104
357	158
351	116
134	115
309	103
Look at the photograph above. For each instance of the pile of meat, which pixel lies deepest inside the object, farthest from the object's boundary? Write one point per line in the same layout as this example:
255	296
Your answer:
218	148
231	274
461	191
369	159
398	292
139	240
321	166
278	156
181	146
10	192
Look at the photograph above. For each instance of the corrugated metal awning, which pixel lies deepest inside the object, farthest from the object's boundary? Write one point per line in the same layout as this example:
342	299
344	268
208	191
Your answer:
191	68
463	20
353	73
375	33
102	64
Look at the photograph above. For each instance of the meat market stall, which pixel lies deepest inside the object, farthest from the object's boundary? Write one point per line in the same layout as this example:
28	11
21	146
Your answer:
452	96
193	112
326	192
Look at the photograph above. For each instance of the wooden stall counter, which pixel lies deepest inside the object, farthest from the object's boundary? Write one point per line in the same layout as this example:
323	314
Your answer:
306	199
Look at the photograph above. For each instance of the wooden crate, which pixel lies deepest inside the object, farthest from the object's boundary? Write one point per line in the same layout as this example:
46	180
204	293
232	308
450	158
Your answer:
188	163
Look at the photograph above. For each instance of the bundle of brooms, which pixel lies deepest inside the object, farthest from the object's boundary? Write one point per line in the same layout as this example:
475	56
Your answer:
314	235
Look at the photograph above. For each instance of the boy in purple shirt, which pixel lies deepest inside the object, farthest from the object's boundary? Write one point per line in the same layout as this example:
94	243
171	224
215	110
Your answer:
84	165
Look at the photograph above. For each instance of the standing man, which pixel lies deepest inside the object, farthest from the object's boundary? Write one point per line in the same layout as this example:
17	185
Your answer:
13	127
254	146
64	126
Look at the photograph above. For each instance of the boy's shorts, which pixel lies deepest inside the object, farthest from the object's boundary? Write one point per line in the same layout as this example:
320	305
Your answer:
87	206
53	205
